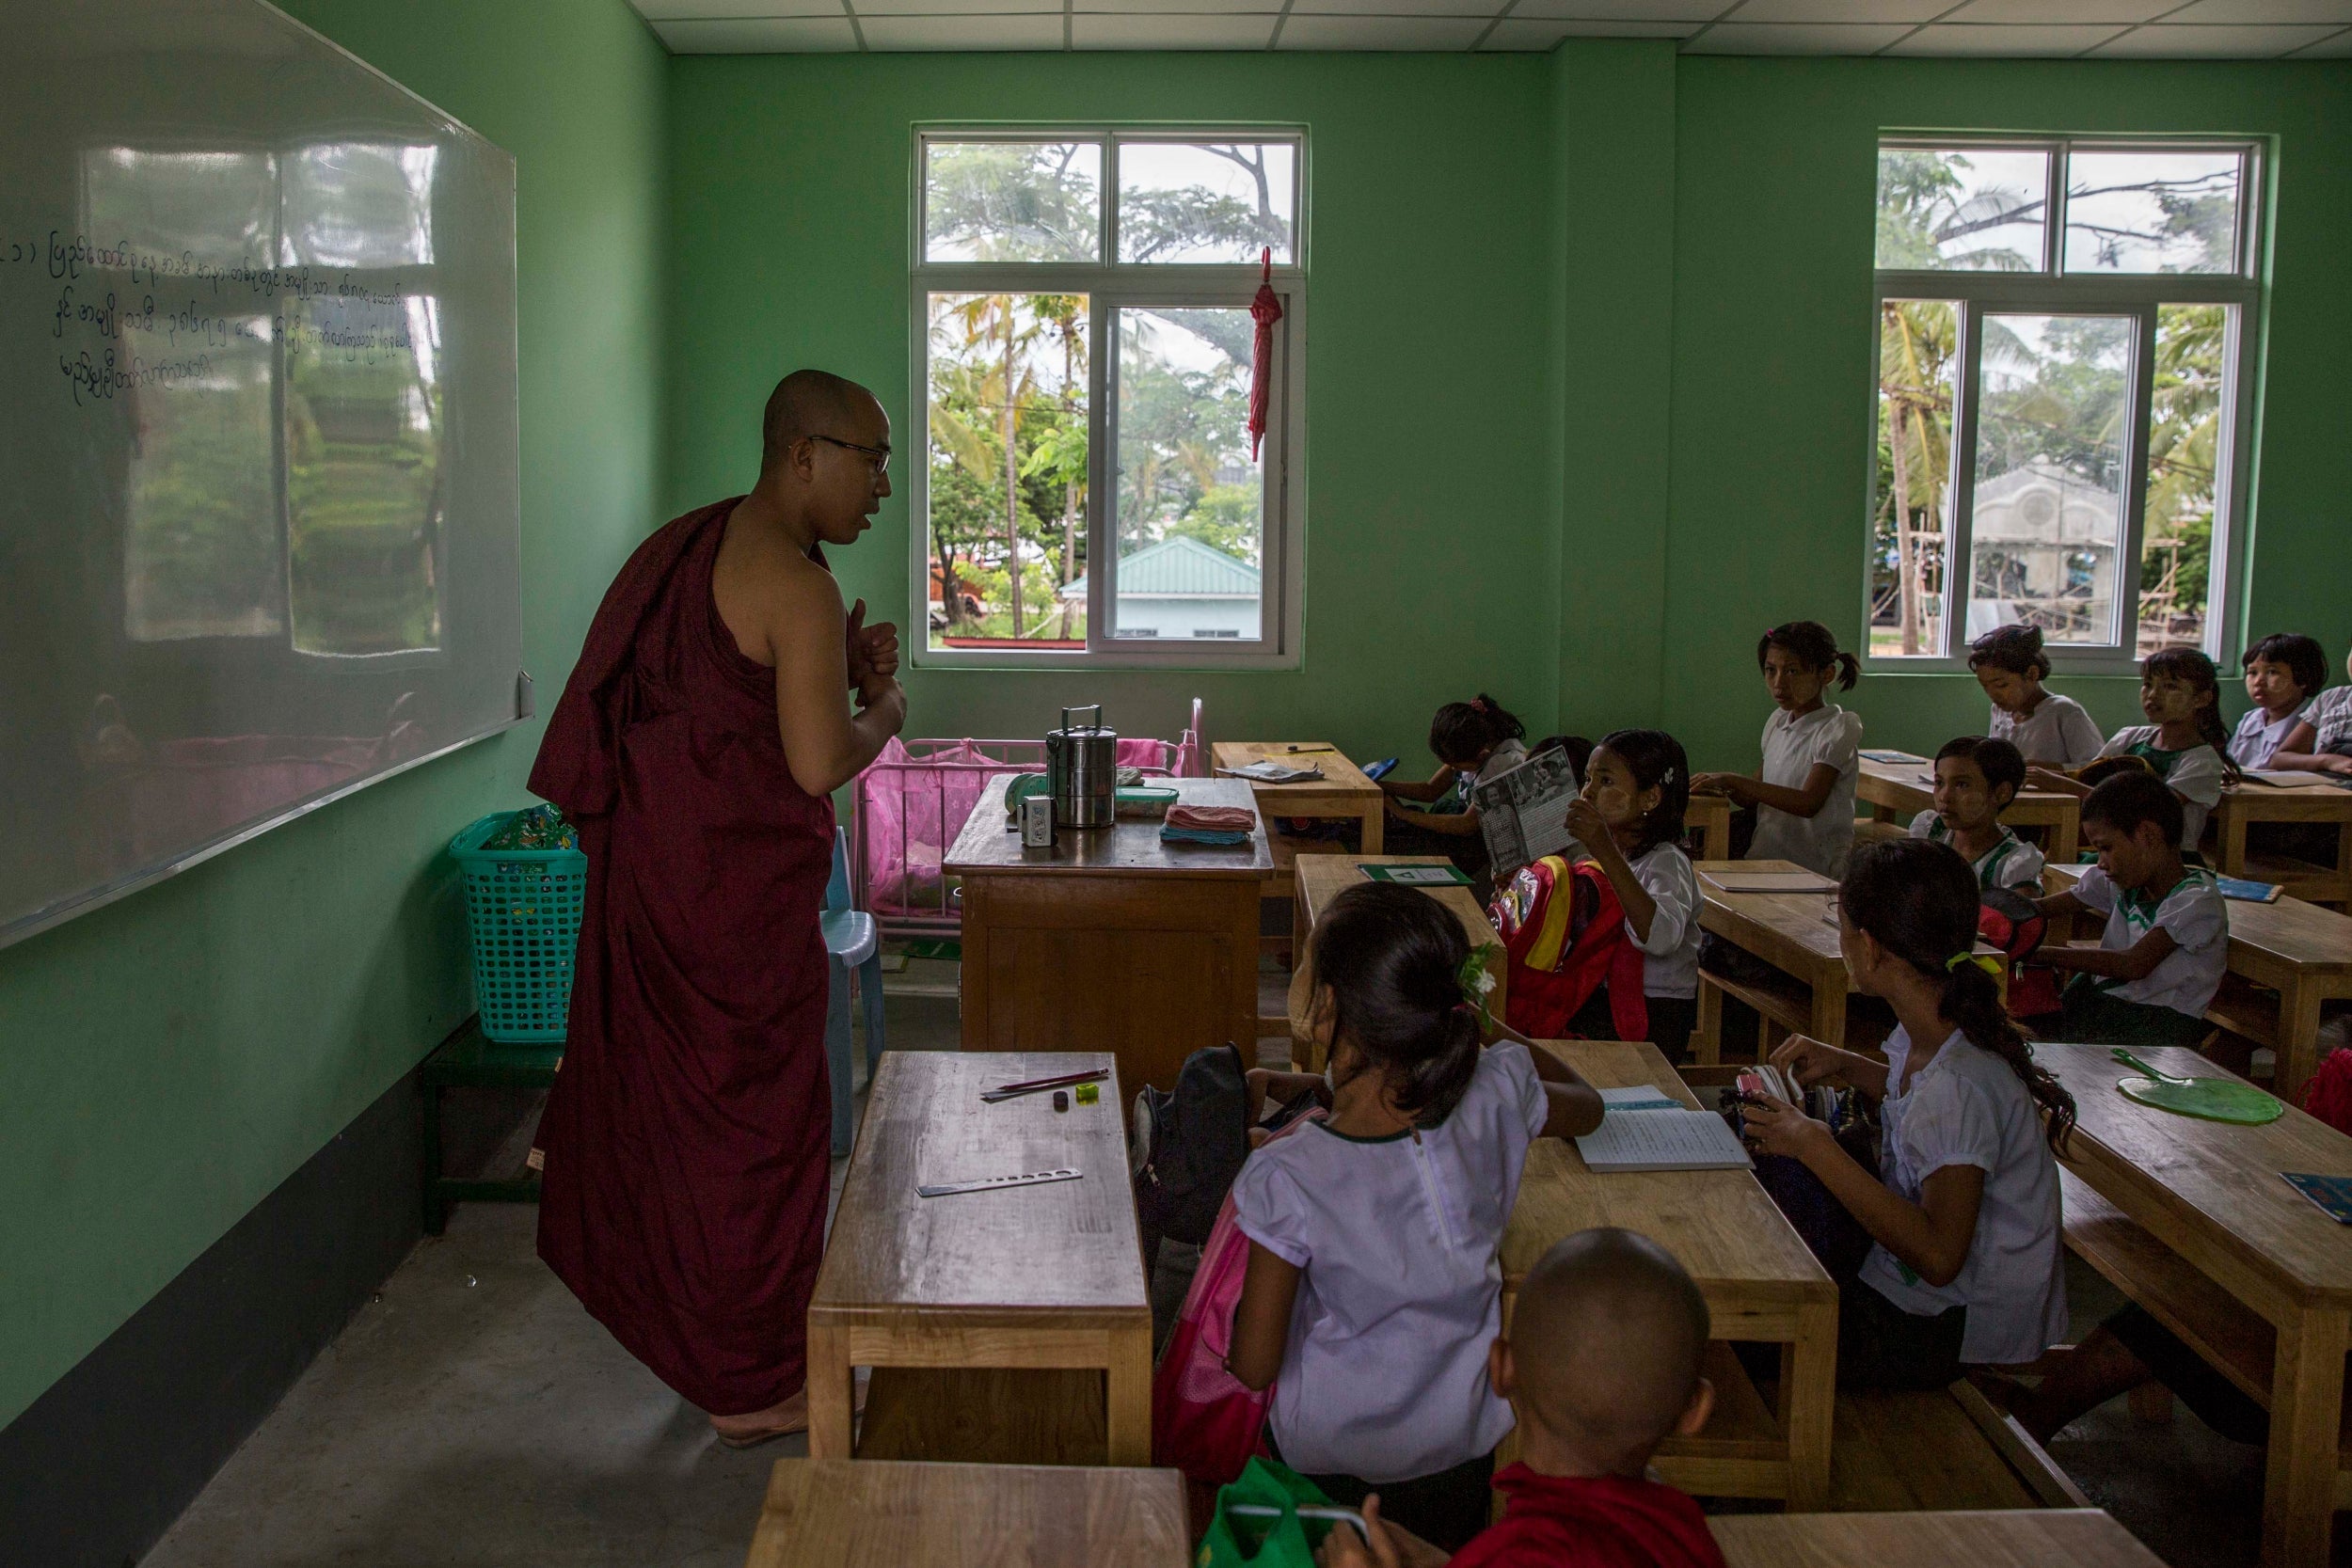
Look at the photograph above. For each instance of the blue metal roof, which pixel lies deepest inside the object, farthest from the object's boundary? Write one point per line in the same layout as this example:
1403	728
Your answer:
1179	566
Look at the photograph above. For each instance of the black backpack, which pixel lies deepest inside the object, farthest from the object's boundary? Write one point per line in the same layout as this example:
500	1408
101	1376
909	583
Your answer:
1184	1149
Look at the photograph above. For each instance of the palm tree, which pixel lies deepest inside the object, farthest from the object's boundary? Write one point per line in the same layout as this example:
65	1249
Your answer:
1917	340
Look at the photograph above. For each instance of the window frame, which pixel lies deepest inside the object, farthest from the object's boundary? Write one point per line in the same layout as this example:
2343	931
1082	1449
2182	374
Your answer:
1110	285
2055	292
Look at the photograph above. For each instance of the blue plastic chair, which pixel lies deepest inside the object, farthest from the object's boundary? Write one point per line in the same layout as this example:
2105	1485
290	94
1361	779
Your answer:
853	942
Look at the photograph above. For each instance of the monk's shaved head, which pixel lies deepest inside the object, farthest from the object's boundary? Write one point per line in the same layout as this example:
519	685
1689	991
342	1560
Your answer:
813	402
1606	1340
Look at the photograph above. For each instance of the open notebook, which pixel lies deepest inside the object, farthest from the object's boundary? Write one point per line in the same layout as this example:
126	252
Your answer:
1646	1129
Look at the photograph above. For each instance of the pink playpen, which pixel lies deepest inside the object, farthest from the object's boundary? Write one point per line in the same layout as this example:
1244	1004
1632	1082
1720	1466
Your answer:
918	795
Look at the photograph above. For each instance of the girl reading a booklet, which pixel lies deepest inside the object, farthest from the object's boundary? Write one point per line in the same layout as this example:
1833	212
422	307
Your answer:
1965	1265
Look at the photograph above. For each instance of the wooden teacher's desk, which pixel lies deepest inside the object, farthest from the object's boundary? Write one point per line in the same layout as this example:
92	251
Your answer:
1760	1283
1111	939
1048	1276
2268	1294
1899	791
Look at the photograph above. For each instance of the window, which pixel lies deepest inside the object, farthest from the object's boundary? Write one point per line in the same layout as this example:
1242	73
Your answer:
2061	394
1089	492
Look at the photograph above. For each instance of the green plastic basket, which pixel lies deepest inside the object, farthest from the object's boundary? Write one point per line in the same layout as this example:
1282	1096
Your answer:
523	907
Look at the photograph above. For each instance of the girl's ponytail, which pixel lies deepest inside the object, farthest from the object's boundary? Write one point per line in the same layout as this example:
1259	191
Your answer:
1816	647
1917	899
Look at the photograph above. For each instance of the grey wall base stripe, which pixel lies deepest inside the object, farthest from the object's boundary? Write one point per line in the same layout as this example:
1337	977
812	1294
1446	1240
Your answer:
100	1465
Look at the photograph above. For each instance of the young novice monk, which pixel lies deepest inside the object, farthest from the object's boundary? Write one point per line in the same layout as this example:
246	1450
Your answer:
2166	941
1601	1365
1975	782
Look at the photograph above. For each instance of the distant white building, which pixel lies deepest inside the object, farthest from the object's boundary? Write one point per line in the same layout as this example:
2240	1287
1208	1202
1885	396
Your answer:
2043	547
1183	588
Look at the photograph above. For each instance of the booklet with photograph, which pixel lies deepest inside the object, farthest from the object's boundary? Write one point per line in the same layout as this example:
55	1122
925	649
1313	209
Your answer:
1524	812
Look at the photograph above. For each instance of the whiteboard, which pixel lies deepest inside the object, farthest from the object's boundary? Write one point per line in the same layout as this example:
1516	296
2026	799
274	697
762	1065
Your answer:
258	515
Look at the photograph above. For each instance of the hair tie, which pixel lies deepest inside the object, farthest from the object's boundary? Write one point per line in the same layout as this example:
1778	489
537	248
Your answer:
1986	961
1478	705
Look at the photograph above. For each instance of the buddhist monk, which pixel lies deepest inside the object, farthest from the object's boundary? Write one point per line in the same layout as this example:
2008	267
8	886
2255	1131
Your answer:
688	1140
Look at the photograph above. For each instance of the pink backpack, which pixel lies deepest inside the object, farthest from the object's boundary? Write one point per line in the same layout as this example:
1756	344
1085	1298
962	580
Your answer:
1205	1421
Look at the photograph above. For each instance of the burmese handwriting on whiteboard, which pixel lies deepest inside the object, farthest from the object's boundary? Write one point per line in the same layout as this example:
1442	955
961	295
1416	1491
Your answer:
1663	1140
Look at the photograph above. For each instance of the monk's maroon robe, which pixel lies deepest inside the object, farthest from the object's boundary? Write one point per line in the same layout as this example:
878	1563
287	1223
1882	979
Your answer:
688	1137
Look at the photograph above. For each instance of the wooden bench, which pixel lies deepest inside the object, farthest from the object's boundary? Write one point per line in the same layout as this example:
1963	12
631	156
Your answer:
2078	1537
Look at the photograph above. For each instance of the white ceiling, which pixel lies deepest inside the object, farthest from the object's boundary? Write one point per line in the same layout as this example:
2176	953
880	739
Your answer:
2091	30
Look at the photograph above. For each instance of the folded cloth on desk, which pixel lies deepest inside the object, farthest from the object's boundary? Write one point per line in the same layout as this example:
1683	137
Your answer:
1200	835
1214	819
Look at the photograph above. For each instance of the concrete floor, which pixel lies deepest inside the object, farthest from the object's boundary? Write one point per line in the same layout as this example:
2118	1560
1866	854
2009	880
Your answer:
475	1416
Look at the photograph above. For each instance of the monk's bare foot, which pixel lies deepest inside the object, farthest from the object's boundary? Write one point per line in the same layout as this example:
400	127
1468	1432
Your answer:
781	1419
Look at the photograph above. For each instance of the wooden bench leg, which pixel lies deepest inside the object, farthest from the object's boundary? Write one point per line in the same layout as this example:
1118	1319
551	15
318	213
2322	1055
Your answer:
1128	1388
832	1390
2305	1406
1707	1038
1809	1397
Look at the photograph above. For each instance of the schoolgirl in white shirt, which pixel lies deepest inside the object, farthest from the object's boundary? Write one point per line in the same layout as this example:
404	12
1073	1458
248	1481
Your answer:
1372	1287
1637	785
2048	728
1804	792
1965	1268
2284	672
2183	743
1975	778
2320	741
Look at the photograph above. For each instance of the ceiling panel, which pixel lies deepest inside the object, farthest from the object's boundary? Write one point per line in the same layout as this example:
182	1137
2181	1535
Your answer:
1380	32
1740	38
2167	41
777	35
1094	31
2117	11
2335	47
1620	10
1165	8
1514	33
1483	10
963	32
2014	42
866	8
2267	12
717	11
1908	11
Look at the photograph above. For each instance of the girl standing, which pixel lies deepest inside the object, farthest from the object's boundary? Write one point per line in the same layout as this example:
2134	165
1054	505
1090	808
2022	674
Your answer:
1372	1287
1804	793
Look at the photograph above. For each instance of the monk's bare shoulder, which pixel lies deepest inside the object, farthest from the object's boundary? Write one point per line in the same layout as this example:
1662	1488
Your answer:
771	596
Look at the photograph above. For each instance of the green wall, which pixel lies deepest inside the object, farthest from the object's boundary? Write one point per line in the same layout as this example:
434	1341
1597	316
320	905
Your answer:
1773	342
1589	354
1430	554
167	1061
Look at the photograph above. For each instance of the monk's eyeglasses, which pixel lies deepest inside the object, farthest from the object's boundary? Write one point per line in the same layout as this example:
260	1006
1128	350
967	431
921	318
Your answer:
878	456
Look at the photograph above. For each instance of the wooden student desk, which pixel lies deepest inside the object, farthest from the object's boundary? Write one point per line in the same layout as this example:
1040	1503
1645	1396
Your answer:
1041	1277
1759	1281
2017	1538
2299	950
883	1513
1899	791
1787	930
2209	1193
1111	939
1342	791
2245	804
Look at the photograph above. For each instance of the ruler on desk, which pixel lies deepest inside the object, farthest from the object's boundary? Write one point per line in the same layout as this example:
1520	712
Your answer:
988	1183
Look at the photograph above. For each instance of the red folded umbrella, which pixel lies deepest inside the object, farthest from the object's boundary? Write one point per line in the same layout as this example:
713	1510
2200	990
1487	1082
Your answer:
1265	310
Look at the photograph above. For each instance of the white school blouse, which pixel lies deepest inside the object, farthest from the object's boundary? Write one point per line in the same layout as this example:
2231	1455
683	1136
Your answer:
2193	913
2331	717
1793	744
1670	960
1969	1108
1400	1290
2011	863
2258	735
2057	732
2195	774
